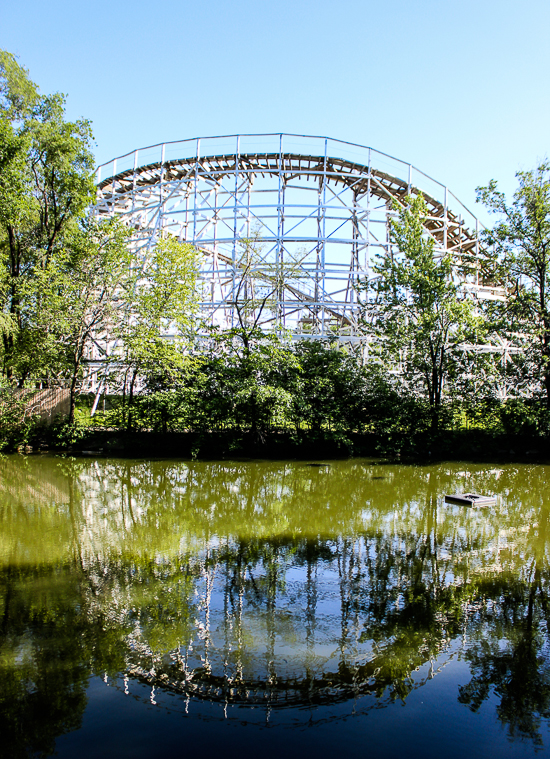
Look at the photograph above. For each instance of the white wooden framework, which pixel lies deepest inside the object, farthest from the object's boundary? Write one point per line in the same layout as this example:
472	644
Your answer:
299	218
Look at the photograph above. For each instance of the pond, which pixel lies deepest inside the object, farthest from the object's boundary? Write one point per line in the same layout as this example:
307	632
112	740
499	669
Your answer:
159	608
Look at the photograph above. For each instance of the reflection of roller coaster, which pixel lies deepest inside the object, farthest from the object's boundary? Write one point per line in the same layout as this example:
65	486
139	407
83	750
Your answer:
314	212
348	683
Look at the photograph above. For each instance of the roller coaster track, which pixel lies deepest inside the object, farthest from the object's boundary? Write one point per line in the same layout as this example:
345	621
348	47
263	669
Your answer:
443	224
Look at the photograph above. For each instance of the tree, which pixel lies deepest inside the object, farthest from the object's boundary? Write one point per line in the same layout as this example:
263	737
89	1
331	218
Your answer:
160	312
46	186
80	297
419	316
330	388
522	244
18	95
258	295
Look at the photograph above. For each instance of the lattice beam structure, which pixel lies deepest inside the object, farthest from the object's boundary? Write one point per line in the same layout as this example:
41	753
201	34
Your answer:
300	218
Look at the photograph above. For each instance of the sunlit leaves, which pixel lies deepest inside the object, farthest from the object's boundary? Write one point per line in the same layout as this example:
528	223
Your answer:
521	238
414	309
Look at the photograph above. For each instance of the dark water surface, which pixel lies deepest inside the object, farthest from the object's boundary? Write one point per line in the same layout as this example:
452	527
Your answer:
169	608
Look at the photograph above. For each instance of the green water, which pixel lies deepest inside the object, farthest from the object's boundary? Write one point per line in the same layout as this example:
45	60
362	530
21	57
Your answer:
154	608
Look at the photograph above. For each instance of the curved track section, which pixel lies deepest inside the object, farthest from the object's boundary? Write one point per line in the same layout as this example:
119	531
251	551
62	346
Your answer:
286	232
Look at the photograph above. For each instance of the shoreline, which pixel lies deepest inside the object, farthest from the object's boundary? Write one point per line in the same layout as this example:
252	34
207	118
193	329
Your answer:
473	445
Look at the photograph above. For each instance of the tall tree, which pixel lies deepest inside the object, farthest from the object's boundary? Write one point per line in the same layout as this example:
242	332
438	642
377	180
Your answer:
522	243
260	288
418	315
80	298
46	185
159	312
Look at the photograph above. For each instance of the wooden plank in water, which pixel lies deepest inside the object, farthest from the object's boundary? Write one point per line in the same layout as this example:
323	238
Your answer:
471	499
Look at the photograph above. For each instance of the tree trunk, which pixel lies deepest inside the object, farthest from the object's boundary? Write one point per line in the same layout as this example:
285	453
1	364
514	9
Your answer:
72	400
131	401
546	365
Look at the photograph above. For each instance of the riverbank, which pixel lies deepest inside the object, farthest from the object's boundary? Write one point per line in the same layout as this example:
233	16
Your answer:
477	445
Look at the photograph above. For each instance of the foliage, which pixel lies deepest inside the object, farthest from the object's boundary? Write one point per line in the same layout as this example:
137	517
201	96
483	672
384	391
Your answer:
229	385
62	433
522	242
162	298
18	423
420	318
18	94
46	185
309	389
78	296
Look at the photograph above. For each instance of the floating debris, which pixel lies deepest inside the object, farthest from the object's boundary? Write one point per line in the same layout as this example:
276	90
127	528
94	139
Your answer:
471	499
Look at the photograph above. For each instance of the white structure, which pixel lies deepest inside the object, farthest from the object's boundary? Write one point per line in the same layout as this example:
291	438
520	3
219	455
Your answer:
287	221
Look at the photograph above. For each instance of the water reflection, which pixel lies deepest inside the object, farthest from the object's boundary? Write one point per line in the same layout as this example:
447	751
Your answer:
278	585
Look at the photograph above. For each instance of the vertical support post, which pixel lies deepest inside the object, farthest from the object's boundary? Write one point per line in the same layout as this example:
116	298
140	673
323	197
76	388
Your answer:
316	294
235	213
323	238
248	190
279	255
186	222
136	153
367	249
113	201
354	263
98	193
195	190
161	190
445	223
215	255
477	252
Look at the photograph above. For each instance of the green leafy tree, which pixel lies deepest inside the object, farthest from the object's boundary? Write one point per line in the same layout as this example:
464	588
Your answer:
18	95
331	388
80	298
245	385
46	185
419	317
522	244
163	301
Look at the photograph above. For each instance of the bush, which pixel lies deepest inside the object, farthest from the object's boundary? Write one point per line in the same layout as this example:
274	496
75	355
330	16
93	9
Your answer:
61	433
524	417
17	422
310	390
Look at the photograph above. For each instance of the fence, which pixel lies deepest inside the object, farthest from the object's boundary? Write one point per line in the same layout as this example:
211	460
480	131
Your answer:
47	404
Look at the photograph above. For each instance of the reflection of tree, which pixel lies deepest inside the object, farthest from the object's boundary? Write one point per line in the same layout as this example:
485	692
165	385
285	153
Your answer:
512	643
413	612
60	624
46	644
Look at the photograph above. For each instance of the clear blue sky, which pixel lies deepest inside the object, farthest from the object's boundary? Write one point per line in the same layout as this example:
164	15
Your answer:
459	89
